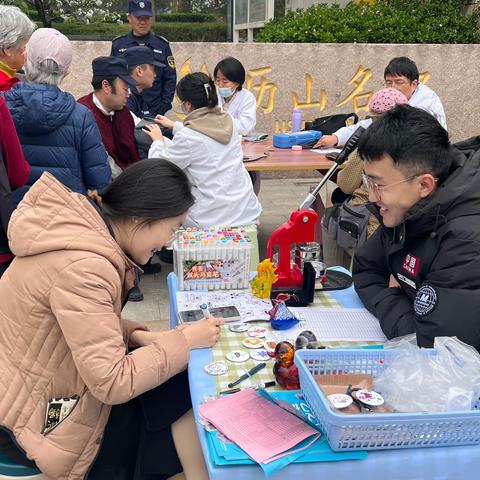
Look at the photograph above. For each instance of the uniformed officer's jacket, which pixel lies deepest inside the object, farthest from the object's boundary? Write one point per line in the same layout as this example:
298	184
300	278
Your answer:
435	257
137	104
158	99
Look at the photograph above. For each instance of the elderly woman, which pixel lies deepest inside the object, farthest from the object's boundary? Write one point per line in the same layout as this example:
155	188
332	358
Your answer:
57	134
15	30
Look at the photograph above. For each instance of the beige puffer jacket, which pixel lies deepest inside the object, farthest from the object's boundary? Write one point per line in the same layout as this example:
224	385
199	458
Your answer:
61	333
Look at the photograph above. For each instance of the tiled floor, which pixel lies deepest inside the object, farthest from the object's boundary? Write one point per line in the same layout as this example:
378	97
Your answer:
279	197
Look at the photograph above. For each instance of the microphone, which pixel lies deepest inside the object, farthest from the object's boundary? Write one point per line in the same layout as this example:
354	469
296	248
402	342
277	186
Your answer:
350	146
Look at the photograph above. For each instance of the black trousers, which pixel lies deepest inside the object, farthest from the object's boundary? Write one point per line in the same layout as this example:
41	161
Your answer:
138	443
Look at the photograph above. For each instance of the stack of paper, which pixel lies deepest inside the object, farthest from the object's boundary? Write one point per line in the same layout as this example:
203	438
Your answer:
264	430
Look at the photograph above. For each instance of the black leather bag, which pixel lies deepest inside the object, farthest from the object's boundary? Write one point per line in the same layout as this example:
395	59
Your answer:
330	124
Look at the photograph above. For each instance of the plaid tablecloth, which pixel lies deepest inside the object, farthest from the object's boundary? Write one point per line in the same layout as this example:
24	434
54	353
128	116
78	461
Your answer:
233	341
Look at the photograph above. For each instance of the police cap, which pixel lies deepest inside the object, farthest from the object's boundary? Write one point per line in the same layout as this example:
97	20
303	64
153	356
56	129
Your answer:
112	67
140	56
140	8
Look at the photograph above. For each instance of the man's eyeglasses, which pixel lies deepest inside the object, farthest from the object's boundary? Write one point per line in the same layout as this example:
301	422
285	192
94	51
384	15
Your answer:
370	185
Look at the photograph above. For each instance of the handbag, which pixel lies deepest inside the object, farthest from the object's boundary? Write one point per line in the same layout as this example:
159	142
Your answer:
347	224
330	124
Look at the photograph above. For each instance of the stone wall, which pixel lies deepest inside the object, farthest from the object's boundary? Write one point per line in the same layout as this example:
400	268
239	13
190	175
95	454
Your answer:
321	78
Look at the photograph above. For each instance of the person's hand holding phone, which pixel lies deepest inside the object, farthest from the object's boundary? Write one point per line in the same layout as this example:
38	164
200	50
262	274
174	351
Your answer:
164	121
153	131
202	333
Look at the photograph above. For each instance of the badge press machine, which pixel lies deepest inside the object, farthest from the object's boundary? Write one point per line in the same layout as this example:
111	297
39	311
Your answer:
300	228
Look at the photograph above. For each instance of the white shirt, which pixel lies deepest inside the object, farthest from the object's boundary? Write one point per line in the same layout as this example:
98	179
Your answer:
243	109
221	185
116	170
423	97
100	106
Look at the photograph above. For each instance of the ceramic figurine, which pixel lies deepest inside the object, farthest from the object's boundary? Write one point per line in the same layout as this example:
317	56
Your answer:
285	371
281	317
265	278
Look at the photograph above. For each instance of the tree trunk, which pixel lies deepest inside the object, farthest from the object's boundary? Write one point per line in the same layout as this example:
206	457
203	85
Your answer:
43	11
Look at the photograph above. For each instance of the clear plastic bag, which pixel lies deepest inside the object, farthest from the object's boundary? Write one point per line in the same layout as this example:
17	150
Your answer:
416	381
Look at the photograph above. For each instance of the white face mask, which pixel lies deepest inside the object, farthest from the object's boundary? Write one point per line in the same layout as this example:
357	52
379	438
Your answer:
226	92
182	109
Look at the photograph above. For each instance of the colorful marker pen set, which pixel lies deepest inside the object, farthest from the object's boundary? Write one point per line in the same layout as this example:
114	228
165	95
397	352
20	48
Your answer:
212	258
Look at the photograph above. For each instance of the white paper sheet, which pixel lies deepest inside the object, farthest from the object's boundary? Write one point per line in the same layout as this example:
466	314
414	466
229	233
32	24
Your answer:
324	151
339	324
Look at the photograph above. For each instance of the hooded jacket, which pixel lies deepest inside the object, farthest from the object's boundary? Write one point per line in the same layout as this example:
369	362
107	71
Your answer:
435	257
59	136
207	147
62	333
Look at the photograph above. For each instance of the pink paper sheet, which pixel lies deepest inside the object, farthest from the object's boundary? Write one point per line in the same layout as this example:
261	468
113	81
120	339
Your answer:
256	425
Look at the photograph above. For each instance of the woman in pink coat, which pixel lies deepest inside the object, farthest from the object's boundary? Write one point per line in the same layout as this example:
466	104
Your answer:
85	393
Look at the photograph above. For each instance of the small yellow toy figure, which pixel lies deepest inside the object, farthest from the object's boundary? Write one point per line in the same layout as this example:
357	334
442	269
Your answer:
265	278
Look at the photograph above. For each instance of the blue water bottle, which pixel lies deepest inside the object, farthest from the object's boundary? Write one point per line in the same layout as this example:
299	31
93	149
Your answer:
296	120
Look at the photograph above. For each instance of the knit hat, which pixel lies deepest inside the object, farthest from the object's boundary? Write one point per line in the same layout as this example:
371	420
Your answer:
385	99
49	44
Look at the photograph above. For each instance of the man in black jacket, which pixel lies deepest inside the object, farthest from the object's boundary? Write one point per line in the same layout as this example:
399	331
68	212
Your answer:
420	272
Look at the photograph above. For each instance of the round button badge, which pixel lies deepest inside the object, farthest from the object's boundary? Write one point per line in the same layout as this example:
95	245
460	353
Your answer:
270	345
238	328
216	368
260	355
237	356
252	342
340	400
259	332
369	398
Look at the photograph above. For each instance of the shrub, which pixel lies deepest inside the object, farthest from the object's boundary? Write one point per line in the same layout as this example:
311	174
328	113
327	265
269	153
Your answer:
174	32
382	21
185	17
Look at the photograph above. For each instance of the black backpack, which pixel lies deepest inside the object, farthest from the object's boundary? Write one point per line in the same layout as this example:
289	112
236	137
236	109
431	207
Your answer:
6	205
330	124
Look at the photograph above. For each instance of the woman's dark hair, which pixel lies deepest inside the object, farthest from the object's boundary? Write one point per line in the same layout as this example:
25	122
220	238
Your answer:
149	190
198	89
232	69
402	67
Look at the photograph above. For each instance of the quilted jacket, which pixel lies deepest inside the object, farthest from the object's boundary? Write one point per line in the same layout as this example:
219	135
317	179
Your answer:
61	331
59	136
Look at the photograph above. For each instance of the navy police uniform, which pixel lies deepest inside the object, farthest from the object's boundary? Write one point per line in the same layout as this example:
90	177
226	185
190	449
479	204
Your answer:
158	99
140	56
434	256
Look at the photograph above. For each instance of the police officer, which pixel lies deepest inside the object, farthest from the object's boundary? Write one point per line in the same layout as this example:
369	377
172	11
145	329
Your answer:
141	66
158	98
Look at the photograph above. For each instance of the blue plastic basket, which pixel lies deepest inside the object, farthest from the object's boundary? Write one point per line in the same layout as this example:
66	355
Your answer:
377	431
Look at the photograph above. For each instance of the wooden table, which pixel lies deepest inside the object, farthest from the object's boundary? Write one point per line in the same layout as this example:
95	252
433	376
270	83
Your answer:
283	158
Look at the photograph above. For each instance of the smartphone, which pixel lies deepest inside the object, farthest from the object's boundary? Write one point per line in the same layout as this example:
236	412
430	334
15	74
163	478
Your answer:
331	156
229	314
252	158
143	123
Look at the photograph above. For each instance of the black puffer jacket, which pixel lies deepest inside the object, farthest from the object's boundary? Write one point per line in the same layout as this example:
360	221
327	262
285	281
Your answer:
435	257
